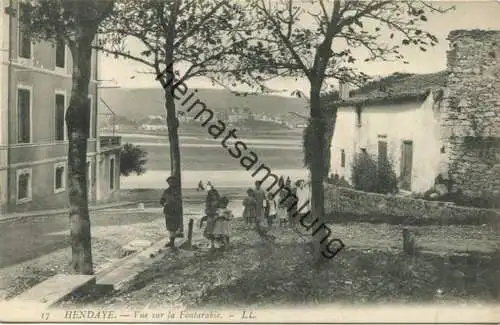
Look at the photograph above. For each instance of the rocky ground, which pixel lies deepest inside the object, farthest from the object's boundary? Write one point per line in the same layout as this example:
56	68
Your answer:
371	269
107	243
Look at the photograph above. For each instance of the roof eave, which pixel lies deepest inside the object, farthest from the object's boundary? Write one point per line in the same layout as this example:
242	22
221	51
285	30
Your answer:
389	99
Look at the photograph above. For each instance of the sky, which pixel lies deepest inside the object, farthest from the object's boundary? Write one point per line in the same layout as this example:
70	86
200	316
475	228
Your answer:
468	14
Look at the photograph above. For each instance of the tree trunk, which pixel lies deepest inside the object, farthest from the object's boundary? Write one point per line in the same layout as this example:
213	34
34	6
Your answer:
172	121
77	121
317	169
175	152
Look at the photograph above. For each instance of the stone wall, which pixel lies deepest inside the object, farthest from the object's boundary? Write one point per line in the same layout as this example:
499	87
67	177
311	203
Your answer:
470	118
345	204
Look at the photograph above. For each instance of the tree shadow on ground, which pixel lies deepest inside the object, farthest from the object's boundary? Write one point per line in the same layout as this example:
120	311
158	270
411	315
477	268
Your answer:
360	277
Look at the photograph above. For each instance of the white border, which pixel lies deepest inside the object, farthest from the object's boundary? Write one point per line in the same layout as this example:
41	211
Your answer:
30	89
24	61
61	92
19	172
62	70
65	175
112	158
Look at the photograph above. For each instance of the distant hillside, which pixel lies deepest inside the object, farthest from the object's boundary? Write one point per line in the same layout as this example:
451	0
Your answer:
137	103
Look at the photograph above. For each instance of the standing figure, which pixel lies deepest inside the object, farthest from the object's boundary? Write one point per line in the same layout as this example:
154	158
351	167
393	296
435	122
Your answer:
170	201
291	204
260	204
260	199
282	213
223	218
211	205
249	207
200	186
271	210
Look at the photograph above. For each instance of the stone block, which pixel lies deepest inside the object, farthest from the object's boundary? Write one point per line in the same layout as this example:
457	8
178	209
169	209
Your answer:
56	288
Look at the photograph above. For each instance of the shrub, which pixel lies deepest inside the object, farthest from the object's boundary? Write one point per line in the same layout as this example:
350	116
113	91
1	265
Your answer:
368	175
132	159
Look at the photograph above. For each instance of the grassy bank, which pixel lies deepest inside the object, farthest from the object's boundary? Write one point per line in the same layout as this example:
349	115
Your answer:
254	274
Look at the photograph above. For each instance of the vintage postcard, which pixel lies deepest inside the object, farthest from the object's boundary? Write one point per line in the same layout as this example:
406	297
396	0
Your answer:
249	161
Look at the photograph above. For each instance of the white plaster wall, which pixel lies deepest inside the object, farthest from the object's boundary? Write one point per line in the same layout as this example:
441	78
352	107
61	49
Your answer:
344	137
415	121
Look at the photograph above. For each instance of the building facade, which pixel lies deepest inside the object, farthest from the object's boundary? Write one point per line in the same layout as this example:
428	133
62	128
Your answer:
35	87
445	123
396	119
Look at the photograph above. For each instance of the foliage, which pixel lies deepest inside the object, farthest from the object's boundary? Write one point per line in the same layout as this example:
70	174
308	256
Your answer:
55	19
317	40
132	159
368	175
203	34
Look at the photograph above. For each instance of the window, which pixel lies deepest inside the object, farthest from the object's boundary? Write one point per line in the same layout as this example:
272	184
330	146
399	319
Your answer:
23	115
59	115
111	173
59	177
24	34
60	53
342	158
23	185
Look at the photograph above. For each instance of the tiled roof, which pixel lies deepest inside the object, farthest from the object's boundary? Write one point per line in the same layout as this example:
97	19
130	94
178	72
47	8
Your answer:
397	87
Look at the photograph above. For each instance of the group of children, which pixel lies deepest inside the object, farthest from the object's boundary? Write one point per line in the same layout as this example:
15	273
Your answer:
261	210
218	225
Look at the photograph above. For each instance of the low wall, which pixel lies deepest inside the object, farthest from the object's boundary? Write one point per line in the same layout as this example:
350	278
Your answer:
345	204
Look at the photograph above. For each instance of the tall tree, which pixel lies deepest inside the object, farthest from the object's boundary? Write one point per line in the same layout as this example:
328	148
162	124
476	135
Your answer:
76	22
322	41
202	35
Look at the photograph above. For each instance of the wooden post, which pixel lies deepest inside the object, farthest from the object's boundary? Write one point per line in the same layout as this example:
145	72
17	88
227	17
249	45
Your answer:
408	242
190	233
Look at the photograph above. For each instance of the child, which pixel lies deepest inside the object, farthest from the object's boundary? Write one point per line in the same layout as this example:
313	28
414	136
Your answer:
221	227
271	209
249	205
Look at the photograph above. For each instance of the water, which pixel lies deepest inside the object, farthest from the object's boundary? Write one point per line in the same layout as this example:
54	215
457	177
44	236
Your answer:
220	178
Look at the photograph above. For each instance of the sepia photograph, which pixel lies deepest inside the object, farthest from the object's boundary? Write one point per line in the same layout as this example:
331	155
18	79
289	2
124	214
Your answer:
250	161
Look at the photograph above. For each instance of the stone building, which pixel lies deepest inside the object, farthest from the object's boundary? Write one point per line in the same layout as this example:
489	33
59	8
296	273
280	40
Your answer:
470	119
445	123
395	118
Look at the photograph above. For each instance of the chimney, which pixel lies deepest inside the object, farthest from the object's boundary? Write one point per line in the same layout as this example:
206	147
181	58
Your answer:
343	91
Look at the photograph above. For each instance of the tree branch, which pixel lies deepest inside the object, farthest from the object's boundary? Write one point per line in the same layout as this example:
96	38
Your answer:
199	25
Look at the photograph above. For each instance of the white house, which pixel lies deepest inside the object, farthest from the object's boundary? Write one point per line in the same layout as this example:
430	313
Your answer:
397	117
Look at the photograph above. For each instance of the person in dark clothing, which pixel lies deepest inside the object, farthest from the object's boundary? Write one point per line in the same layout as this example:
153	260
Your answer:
171	209
291	204
200	186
